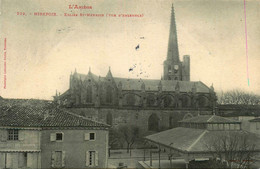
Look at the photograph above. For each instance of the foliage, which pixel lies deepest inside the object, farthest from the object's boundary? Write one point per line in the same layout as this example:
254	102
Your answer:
129	133
237	96
121	134
236	149
114	139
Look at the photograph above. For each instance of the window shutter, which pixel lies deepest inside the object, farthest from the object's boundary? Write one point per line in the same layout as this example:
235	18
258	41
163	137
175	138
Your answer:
21	135
53	136
53	159
87	158
96	158
63	159
9	157
3	135
86	136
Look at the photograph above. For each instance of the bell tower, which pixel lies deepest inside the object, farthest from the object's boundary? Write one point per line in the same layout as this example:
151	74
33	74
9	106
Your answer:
174	69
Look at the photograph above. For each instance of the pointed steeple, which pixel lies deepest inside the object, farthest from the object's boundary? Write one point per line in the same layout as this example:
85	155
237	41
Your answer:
173	52
212	88
109	74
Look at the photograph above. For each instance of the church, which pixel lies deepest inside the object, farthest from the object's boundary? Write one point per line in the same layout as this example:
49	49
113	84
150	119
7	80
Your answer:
152	105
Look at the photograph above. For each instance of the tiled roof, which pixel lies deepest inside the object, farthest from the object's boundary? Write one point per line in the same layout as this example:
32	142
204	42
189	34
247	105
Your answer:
208	119
180	138
23	102
150	84
194	140
255	120
19	115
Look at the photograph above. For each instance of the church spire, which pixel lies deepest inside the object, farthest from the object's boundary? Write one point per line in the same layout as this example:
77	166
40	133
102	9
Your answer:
173	52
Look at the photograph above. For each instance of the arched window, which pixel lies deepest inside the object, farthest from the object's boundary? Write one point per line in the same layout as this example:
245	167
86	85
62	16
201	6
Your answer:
187	116
186	101
153	123
130	99
167	101
150	100
169	69
203	101
89	94
109	118
109	93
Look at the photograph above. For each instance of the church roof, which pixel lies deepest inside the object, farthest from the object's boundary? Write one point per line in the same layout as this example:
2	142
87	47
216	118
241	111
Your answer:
208	119
194	140
150	84
23	114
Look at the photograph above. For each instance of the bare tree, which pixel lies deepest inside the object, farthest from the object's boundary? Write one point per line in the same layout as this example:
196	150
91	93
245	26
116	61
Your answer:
129	134
236	149
238	96
114	138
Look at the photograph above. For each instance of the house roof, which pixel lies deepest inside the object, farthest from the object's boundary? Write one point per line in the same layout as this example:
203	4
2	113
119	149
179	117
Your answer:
37	115
150	84
189	140
255	120
23	102
208	119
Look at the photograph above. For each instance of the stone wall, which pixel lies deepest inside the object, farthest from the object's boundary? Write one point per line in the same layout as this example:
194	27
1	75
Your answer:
138	117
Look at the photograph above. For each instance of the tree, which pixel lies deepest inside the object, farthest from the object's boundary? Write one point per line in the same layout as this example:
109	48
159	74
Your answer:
236	149
114	138
129	134
238	96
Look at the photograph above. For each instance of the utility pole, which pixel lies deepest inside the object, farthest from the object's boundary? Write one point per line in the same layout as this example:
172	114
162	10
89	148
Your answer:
159	157
170	156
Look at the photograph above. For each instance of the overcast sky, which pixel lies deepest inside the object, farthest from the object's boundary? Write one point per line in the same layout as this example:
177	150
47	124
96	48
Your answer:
43	50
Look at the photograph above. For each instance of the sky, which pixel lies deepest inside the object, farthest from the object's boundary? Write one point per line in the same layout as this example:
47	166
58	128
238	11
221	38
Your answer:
42	51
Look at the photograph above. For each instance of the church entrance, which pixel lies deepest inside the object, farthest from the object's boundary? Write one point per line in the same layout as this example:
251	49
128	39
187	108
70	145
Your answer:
153	123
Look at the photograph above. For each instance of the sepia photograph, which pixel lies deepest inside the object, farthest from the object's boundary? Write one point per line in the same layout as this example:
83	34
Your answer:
165	84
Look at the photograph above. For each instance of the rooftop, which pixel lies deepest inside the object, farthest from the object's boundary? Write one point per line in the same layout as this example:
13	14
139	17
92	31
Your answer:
194	140
255	120
208	119
24	113
150	84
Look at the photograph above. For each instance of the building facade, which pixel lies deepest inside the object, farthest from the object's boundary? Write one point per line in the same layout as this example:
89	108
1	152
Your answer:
70	148
254	125
113	99
20	147
49	137
206	137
